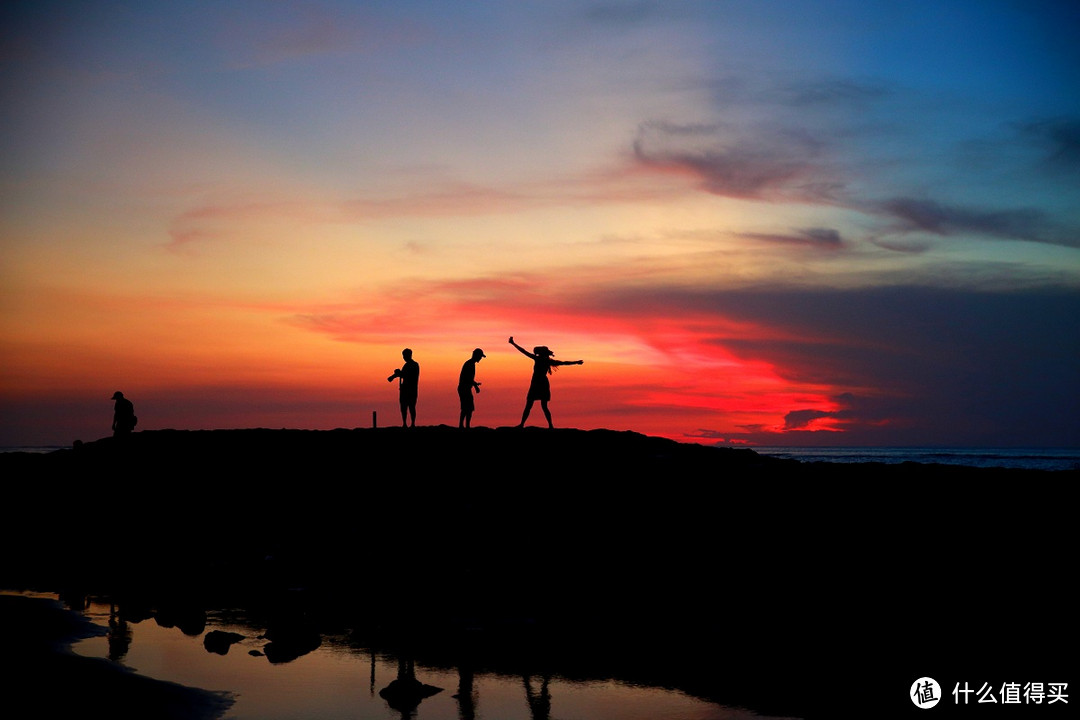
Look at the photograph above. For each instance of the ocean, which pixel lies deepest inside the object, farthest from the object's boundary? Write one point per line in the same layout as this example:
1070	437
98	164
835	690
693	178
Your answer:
31	449
1024	458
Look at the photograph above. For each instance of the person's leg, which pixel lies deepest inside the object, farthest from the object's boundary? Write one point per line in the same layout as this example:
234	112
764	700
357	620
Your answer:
525	415
404	414
412	416
547	413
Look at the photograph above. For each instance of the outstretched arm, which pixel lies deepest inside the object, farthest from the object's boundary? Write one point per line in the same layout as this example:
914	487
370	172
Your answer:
522	350
567	362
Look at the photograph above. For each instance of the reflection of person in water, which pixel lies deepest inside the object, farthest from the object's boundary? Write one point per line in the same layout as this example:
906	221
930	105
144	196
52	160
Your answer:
539	700
405	692
124	419
465	386
119	635
540	388
466	695
409	381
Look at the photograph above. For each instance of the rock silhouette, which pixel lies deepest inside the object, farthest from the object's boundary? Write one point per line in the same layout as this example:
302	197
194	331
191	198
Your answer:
629	554
219	641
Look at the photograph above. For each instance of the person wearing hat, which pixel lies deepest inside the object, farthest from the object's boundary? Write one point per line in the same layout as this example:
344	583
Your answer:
466	384
540	389
123	415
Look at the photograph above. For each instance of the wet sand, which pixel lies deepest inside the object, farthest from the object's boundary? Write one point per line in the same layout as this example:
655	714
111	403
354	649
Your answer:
46	679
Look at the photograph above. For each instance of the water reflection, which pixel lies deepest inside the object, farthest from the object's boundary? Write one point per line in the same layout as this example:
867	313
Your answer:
328	681
539	699
405	692
219	641
188	618
119	635
290	641
466	695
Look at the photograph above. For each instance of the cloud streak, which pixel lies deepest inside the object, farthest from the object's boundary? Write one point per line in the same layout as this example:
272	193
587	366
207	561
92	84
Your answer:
824	238
944	220
777	166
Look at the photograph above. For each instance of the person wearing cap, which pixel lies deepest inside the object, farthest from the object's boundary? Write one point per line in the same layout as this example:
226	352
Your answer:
123	415
539	388
466	384
408	385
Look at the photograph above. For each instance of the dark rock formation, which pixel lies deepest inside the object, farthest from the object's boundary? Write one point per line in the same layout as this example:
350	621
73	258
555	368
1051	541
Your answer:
219	641
636	552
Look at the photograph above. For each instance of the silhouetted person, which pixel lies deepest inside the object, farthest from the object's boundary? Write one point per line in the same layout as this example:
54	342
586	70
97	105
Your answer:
466	384
539	387
119	635
409	382
124	419
539	701
405	692
466	695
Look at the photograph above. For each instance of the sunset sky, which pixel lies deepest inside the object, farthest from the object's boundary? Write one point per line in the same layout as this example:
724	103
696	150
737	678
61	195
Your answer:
780	223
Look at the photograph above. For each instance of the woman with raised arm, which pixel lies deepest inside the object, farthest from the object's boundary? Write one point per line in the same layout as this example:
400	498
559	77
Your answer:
540	389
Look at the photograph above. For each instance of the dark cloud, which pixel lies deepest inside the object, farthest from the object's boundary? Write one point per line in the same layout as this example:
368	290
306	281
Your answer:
855	415
917	365
826	238
902	244
799	419
706	434
803	153
733	163
1059	140
938	218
